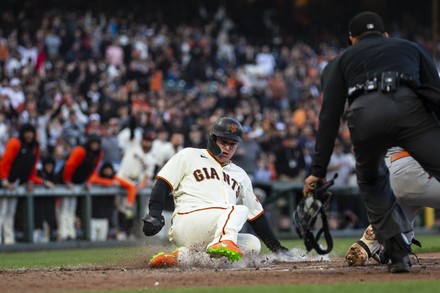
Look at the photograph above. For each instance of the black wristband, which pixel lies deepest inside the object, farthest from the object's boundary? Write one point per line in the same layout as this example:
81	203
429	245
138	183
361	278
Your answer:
263	230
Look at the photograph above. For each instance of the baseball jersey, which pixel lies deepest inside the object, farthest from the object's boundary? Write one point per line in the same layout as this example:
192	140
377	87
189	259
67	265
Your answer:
199	180
136	165
163	151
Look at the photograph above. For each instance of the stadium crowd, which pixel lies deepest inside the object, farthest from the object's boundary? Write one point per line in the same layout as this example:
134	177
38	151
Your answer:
75	74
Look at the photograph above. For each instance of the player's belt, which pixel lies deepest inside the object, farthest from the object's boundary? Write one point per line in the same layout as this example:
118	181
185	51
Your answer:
400	155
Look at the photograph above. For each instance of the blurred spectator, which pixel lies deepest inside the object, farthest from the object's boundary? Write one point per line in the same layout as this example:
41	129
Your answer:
277	91
163	150
262	172
53	43
18	167
348	220
103	207
114	54
44	206
341	163
225	51
4	132
53	130
306	140
177	141
94	125
156	81
79	166
130	133
265	61
109	143
28	51
93	96
12	65
30	113
195	138
15	95
73	130
69	105
290	161
4	49
59	155
248	153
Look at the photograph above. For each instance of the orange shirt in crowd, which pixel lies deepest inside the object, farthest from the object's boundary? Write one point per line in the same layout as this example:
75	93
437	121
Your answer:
156	81
130	187
299	118
8	160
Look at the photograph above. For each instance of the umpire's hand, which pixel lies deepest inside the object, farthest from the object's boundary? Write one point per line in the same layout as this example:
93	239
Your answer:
152	225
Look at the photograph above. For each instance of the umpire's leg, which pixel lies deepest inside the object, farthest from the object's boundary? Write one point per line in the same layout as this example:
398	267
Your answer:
384	212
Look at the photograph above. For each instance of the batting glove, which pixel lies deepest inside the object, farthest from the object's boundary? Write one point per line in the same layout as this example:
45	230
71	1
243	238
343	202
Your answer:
152	225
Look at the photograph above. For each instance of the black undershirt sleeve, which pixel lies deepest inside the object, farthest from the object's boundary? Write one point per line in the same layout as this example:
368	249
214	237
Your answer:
158	198
263	230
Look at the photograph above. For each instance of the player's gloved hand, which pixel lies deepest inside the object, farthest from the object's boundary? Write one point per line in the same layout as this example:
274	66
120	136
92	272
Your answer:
152	225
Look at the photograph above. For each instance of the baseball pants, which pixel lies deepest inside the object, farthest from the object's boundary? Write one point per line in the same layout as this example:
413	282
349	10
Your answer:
66	218
209	225
8	206
99	229
413	187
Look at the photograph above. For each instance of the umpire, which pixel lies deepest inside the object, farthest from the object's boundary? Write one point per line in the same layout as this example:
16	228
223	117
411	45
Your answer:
377	75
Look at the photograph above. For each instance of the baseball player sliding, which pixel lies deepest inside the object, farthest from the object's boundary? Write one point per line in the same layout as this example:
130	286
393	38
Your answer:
213	200
414	189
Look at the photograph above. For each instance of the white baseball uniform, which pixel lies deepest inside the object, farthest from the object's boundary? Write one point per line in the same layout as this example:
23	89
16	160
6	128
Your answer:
136	165
413	186
212	201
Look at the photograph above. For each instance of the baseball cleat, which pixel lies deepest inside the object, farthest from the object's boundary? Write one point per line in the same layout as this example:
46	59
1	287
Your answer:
360	252
164	260
227	249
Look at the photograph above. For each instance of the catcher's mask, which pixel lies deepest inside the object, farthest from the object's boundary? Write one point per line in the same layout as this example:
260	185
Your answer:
225	127
307	211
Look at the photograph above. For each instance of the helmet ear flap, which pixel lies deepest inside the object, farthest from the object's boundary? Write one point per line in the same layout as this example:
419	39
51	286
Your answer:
212	145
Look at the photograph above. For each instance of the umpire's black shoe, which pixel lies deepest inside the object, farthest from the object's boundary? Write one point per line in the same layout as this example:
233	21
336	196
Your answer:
397	250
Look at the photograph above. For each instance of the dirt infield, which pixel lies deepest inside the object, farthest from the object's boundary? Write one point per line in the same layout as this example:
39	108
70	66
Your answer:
136	276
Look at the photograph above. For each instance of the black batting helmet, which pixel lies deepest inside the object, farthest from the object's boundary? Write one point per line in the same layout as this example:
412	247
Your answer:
225	127
228	128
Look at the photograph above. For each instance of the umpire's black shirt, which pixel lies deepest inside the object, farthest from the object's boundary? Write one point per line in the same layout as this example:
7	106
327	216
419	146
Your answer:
371	56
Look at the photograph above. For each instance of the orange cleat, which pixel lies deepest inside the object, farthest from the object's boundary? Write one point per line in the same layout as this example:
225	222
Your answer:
227	249
164	260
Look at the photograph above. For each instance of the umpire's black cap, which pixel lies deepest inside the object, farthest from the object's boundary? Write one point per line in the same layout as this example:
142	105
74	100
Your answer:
366	21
